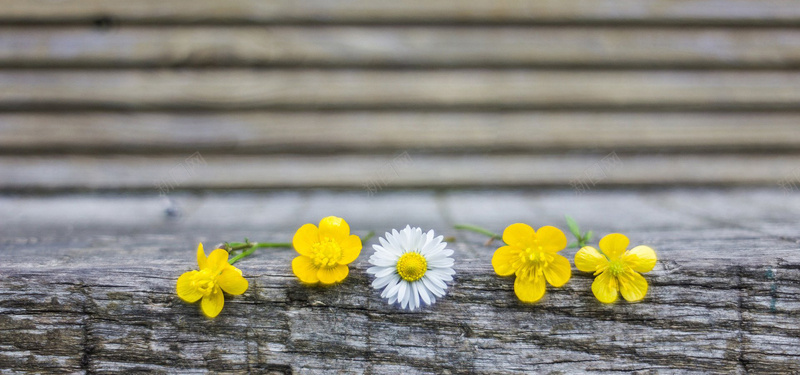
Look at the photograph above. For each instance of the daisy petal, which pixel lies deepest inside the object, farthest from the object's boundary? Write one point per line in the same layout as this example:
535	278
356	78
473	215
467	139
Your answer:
381	282
632	286
529	289
385	271
640	258
605	287
558	271
441	276
423	293
552	239
435	289
613	245
518	235
441	263
588	259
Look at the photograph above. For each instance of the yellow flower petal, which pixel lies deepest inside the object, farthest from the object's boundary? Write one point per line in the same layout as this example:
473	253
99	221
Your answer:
335	228
201	257
552	239
529	289
351	249
186	289
640	258
305	238
558	271
614	245
330	275
212	303
519	235
605	287
632	286
503	260
588	259
305	270
218	259
232	282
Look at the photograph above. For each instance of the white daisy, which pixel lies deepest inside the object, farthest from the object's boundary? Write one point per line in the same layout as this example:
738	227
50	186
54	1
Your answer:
411	267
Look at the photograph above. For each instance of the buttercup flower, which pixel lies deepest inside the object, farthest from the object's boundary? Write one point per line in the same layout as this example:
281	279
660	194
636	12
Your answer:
214	276
617	268
531	255
324	252
411	267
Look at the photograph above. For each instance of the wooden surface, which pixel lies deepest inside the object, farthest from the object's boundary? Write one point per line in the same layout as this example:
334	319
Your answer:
87	285
131	130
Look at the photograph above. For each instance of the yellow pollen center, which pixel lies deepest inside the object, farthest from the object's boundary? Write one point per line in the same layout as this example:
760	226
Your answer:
326	252
412	266
535	256
205	282
616	268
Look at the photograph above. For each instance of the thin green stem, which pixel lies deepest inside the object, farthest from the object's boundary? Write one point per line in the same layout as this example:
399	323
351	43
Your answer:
367	237
252	246
480	230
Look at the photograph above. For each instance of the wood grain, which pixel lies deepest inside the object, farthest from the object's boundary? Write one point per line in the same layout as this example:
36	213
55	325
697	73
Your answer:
474	89
54	173
93	301
413	11
366	131
84	47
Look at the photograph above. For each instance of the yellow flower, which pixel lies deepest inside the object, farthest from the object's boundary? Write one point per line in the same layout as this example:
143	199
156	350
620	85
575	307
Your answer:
531	255
215	275
618	269
325	252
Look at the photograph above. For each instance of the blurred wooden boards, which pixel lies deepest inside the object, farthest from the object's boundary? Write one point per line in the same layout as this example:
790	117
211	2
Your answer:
345	89
387	11
400	46
479	93
42	173
261	132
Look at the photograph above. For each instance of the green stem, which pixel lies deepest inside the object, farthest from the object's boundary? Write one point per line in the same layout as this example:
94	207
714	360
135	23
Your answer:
367	237
480	230
252	248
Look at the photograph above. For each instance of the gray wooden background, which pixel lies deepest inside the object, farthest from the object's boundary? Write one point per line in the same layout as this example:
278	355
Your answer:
131	130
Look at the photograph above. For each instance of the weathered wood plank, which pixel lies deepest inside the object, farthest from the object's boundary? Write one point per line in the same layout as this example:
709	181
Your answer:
359	131
99	302
359	171
399	47
720	319
474	89
414	11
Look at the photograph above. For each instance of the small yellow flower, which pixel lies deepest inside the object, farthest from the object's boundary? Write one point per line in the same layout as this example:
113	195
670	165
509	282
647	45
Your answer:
214	276
618	269
531	255
325	252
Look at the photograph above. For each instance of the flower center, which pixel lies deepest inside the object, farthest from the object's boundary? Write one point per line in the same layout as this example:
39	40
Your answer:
616	268
205	282
535	256
412	266
326	252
